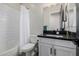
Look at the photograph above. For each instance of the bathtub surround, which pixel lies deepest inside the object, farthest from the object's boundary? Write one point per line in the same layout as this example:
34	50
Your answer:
9	28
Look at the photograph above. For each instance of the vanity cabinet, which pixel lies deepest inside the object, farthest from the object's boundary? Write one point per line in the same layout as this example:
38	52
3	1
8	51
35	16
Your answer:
54	47
63	51
45	49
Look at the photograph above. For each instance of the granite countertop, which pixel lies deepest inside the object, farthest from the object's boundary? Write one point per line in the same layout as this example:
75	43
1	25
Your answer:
70	38
75	40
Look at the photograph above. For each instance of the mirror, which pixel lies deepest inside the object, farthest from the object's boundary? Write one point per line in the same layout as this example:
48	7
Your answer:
53	20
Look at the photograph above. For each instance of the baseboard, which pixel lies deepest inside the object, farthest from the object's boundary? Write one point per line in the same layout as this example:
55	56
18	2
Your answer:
10	52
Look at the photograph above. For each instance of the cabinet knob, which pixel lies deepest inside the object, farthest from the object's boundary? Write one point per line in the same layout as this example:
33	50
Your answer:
50	51
54	52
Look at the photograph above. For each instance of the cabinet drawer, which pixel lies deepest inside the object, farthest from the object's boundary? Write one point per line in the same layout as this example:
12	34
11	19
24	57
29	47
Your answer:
47	40
65	43
63	51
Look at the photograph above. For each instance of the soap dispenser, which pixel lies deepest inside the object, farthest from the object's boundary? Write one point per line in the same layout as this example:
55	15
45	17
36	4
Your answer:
57	32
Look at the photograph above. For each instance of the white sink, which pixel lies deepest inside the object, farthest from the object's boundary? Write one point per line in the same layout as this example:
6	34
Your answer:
55	35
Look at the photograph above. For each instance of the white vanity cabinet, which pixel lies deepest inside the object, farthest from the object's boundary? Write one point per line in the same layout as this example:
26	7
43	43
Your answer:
45	49
63	51
54	47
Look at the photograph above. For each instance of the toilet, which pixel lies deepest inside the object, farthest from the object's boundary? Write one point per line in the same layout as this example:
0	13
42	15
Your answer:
27	48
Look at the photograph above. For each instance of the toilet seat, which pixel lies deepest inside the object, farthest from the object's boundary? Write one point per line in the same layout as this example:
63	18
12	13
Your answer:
27	47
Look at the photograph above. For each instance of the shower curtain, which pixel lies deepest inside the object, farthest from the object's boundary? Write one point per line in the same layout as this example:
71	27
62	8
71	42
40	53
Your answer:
24	26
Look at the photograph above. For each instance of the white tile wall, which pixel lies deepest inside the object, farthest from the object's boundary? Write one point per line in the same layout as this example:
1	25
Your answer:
9	27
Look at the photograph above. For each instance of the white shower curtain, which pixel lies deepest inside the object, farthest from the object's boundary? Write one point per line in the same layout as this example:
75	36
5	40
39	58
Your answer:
24	26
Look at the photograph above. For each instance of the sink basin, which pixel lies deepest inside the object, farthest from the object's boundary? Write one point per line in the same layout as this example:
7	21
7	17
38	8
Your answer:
55	35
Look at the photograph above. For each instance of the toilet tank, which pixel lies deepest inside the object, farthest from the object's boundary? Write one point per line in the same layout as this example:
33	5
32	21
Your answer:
33	38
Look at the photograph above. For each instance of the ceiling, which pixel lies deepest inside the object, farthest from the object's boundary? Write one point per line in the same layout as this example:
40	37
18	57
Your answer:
40	4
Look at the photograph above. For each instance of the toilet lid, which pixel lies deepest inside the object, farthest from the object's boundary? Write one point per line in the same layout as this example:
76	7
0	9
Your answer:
28	47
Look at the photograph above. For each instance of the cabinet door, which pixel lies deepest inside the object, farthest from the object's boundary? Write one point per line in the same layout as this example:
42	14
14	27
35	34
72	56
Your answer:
63	51
45	49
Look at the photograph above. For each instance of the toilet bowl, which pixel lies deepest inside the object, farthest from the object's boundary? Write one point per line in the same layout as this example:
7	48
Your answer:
27	48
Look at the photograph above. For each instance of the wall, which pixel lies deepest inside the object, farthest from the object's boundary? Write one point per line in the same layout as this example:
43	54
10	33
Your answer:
9	26
36	21
77	18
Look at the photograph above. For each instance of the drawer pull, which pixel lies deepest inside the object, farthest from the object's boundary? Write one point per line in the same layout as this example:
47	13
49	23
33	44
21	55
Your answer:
50	51
54	52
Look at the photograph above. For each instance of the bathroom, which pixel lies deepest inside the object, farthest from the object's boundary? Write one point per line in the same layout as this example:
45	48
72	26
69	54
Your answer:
18	27
39	29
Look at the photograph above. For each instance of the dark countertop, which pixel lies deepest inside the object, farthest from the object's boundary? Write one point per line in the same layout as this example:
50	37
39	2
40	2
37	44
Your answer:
70	38
75	40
